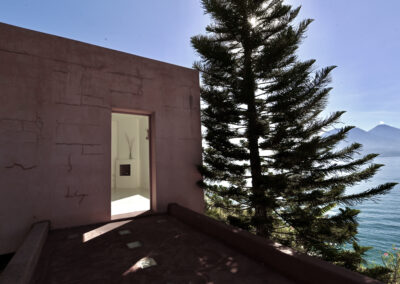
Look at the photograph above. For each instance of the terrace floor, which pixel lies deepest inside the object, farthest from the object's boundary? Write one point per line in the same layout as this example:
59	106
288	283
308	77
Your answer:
100	254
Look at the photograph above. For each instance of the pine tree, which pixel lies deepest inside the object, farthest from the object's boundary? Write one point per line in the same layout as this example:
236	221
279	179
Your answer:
266	166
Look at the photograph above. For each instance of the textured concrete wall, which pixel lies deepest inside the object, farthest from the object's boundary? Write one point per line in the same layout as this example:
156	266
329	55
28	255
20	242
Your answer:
56	100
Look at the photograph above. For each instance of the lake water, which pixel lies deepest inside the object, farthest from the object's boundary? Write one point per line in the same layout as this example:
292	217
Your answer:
379	222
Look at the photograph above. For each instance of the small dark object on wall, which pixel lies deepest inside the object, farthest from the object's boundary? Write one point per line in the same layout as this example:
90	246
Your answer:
125	170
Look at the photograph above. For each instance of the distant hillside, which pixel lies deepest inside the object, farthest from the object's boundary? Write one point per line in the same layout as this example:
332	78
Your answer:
382	139
386	131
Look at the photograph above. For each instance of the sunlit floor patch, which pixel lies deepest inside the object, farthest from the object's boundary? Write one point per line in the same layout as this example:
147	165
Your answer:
102	230
146	262
143	263
133	245
130	204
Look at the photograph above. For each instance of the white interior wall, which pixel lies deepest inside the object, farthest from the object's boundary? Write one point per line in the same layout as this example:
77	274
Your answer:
145	153
129	125
114	143
136	128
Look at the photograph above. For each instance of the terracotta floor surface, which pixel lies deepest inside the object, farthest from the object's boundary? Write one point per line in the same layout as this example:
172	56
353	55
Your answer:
183	255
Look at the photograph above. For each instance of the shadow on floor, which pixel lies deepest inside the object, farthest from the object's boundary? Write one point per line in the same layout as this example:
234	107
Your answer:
182	256
4	260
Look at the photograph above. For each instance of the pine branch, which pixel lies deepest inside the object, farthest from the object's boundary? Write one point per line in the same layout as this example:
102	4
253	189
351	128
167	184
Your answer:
370	194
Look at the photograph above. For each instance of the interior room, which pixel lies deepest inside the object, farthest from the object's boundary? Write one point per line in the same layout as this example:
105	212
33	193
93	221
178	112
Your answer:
130	177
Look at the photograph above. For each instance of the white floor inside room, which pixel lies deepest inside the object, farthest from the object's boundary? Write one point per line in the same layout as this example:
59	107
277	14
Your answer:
129	200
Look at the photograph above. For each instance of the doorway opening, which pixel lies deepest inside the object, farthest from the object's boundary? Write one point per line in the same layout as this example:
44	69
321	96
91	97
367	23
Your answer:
130	168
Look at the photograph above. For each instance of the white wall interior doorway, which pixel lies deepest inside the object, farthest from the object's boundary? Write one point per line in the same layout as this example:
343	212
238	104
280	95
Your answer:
130	157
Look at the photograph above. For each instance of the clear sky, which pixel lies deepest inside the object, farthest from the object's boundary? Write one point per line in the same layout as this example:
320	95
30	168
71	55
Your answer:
361	37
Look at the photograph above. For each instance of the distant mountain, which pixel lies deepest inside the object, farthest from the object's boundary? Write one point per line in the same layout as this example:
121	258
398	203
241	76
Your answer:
386	131
382	139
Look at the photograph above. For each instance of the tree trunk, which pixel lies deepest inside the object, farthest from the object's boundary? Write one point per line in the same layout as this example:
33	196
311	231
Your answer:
253	136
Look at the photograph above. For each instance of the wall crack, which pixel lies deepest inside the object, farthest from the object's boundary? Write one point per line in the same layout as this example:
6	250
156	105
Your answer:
21	167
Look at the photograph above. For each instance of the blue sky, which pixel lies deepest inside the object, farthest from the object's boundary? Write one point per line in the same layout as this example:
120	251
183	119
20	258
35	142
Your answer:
361	37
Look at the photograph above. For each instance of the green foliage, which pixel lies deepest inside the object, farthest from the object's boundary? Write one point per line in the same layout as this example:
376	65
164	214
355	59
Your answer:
266	166
391	261
380	273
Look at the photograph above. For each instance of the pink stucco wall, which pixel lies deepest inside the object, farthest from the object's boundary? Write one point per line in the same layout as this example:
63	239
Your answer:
56	100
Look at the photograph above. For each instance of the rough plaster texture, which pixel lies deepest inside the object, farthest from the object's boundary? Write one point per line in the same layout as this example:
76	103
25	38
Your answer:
56	100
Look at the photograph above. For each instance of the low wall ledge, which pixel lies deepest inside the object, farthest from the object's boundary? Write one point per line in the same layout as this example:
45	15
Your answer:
296	266
21	267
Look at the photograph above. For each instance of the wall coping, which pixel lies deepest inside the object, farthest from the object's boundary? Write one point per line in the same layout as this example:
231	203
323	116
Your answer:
290	263
21	267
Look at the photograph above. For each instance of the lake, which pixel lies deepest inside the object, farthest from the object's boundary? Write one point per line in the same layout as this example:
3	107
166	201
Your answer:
379	222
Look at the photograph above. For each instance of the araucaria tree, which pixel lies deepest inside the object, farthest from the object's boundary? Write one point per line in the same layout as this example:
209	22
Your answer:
266	165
